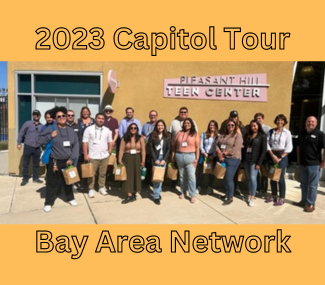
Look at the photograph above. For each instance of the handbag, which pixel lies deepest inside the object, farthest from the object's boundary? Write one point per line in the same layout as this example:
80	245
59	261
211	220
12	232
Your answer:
275	173
172	171
241	175
219	171
158	173
111	159
45	157
70	175
120	172
87	170
208	166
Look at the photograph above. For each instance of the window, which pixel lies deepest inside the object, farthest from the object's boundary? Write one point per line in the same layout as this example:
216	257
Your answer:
44	90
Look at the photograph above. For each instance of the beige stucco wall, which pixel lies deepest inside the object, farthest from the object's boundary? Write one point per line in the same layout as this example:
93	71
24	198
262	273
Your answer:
141	87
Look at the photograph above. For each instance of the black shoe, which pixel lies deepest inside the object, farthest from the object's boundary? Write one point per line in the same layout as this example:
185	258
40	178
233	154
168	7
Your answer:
156	201
24	182
128	199
37	181
227	202
300	204
159	197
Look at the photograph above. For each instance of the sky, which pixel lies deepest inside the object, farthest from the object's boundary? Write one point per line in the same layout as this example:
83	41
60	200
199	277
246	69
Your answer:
3	74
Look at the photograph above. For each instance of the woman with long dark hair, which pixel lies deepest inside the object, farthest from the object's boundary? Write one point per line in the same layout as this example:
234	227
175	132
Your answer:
186	153
228	149
132	155
278	147
159	143
255	148
208	152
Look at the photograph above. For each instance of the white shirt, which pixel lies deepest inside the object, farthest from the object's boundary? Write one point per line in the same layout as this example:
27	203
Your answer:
97	139
280	141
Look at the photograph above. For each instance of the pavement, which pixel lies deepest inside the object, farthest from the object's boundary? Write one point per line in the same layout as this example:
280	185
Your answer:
24	205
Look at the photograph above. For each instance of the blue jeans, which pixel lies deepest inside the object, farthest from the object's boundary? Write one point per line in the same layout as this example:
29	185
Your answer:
232	165
282	184
157	185
309	177
251	176
35	153
186	171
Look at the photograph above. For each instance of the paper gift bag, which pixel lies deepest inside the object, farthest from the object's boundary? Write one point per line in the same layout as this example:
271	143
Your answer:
120	173
241	175
207	167
111	159
172	172
87	170
158	173
274	173
219	171
70	175
264	171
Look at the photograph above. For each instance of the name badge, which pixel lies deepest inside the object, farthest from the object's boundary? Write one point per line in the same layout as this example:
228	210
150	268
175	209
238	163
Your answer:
313	136
66	143
96	142
223	146
76	130
184	144
133	151
158	147
249	149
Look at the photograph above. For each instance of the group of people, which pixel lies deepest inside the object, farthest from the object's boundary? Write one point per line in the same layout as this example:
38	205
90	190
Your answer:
254	147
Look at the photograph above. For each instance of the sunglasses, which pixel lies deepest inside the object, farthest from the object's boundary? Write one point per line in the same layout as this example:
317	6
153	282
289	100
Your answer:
133	128
61	116
230	125
69	115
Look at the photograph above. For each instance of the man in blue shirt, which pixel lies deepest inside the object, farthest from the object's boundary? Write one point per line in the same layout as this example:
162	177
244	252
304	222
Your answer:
29	133
128	120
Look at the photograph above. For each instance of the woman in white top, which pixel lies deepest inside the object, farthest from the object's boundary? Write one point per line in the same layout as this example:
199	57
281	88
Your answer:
279	145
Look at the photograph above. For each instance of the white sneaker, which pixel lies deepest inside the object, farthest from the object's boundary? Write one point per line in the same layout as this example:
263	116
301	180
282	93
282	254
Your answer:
251	203
102	191
248	198
209	190
91	193
47	208
73	203
197	191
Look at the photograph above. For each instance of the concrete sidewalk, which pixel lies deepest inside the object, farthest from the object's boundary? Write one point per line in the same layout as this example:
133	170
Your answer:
24	205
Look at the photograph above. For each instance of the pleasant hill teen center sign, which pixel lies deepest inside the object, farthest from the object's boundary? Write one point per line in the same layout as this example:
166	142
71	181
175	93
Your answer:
245	87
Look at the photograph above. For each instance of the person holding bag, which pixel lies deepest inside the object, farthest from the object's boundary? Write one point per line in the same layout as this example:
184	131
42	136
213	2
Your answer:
64	151
132	155
159	145
228	149
255	147
279	146
208	152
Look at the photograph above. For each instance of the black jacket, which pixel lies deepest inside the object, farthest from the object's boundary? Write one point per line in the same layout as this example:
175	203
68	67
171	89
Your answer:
166	148
258	145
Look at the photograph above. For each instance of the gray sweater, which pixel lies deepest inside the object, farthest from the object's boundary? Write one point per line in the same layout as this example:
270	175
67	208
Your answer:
58	150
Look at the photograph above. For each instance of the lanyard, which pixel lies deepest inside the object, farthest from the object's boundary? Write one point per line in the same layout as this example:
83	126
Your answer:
100	135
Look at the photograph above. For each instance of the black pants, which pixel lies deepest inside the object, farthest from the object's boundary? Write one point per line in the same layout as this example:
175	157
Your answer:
35	152
55	182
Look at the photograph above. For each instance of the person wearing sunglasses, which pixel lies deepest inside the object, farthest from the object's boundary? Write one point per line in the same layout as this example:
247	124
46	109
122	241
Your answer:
29	134
64	151
228	149
132	155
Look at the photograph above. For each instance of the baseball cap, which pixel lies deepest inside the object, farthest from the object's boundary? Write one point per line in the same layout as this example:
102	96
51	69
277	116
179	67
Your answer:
109	107
36	112
233	114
